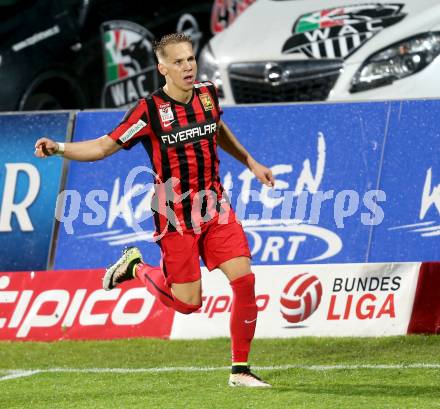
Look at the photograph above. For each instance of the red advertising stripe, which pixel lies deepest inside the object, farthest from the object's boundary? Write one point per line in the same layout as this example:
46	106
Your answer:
425	317
54	305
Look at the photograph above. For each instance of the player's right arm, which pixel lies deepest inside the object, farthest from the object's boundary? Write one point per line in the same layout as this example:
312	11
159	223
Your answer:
131	130
85	151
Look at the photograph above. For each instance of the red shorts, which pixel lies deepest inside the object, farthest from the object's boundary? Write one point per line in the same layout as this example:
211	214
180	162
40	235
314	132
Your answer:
216	244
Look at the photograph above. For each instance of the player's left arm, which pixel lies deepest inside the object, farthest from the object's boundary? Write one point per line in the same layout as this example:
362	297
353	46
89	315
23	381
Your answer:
230	144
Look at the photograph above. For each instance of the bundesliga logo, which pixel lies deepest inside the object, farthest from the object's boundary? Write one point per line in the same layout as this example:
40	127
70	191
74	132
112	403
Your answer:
300	297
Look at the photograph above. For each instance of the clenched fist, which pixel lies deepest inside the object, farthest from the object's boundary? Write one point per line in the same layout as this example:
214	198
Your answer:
45	147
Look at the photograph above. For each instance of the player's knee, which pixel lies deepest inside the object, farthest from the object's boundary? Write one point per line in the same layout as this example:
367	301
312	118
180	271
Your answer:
188	293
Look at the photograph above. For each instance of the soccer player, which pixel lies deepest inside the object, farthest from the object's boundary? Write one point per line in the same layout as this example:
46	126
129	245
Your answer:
179	126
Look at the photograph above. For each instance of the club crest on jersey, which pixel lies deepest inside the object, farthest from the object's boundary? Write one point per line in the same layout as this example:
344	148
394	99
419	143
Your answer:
166	113
206	102
338	32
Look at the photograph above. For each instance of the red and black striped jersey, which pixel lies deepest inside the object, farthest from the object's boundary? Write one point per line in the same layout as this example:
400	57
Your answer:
180	140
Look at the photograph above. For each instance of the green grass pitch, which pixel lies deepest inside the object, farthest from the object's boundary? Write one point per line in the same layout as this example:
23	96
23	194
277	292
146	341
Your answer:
336	373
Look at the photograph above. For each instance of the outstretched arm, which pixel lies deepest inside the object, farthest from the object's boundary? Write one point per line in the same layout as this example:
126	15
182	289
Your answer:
86	151
230	144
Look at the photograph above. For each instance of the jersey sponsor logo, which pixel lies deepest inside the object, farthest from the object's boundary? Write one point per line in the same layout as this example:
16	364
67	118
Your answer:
206	102
133	130
189	135
166	114
338	32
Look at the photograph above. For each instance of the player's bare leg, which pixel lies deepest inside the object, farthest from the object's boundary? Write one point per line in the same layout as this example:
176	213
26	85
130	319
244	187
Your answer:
236	267
243	320
189	293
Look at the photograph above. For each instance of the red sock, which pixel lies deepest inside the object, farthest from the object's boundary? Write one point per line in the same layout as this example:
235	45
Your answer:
154	280
243	317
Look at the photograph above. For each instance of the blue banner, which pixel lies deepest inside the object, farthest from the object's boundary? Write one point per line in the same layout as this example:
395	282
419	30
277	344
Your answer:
410	176
105	207
325	159
28	189
338	198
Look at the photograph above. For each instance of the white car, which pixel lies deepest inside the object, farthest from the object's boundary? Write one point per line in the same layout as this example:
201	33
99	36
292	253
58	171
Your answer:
318	50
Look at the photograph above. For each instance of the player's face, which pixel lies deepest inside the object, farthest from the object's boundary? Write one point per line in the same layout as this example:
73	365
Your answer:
179	66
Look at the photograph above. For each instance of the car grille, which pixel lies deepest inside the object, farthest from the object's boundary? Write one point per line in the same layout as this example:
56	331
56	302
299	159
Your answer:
285	81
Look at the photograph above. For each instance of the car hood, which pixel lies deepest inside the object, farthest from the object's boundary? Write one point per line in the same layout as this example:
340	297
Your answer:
305	29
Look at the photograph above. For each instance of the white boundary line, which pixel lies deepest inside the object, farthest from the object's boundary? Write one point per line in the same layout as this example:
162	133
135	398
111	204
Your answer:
19	373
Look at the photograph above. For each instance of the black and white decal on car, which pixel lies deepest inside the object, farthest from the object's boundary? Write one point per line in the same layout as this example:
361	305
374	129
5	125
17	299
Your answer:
338	32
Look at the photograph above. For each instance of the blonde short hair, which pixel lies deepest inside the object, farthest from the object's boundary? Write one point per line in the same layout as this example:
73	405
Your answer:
175	38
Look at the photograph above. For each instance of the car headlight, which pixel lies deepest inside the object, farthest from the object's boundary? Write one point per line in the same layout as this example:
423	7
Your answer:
397	61
208	69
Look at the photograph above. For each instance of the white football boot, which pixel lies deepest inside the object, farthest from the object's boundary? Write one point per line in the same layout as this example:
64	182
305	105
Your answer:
247	379
122	270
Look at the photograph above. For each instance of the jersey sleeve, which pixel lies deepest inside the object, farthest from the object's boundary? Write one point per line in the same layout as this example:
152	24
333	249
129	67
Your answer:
134	126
